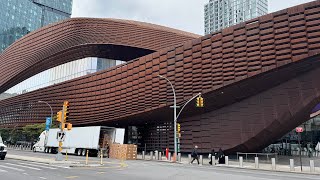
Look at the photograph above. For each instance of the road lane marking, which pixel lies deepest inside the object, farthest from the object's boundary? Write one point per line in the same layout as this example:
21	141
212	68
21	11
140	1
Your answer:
44	164
37	169
71	177
3	170
42	178
8	167
34	165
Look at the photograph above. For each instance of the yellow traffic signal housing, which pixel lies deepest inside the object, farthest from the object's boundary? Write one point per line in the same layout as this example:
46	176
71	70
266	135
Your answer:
178	127
65	111
59	116
69	126
200	102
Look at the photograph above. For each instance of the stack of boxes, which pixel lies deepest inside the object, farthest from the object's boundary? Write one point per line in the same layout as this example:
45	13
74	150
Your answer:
123	151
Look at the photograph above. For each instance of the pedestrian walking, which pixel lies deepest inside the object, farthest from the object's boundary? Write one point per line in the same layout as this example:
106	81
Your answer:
194	154
211	156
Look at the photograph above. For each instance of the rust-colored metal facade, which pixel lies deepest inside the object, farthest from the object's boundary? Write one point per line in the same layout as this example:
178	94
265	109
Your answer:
258	79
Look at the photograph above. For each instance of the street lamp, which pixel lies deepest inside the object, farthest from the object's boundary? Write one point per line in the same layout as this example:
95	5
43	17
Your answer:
174	116
50	109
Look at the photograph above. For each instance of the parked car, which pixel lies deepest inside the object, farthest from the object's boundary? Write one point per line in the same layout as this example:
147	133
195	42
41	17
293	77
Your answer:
3	150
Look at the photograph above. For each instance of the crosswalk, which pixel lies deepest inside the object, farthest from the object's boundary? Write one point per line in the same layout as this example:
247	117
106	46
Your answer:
22	166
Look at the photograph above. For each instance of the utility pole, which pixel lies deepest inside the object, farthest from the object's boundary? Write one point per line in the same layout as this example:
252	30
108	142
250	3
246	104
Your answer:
175	117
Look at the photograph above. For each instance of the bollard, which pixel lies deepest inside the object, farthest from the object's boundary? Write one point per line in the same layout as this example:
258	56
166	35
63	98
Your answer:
189	158
179	157
201	160
273	164
312	168
226	159
143	155
240	161
160	156
87	157
291	165
101	157
156	153
169	156
151	155
256	162
66	155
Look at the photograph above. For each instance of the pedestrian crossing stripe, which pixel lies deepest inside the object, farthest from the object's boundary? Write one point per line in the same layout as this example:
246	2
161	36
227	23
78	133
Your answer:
8	167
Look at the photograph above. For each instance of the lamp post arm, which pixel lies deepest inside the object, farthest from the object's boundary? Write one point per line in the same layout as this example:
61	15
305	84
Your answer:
186	104
50	109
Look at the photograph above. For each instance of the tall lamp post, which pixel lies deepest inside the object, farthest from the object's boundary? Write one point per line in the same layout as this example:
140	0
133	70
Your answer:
174	116
50	109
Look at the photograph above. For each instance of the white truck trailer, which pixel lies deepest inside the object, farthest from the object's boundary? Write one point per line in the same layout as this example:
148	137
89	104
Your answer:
80	139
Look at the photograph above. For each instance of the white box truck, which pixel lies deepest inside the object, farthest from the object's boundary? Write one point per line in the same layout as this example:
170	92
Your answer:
80	139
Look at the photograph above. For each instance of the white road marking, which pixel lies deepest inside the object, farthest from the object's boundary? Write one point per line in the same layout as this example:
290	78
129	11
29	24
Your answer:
42	178
3	170
44	164
8	167
24	166
35	165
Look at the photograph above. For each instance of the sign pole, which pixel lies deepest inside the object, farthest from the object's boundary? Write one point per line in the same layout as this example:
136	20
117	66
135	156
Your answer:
299	137
299	130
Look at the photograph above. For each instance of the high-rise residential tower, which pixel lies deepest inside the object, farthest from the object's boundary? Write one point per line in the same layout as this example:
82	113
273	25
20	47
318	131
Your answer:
219	14
19	17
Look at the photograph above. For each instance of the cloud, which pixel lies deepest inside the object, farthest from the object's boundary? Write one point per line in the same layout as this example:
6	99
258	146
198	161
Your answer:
187	15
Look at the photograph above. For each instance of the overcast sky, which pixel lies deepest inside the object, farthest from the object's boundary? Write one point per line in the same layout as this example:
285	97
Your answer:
185	15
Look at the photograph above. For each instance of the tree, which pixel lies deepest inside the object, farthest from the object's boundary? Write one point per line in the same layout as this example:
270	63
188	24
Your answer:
32	132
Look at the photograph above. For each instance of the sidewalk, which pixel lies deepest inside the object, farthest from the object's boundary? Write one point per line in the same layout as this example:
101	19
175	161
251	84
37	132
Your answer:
247	165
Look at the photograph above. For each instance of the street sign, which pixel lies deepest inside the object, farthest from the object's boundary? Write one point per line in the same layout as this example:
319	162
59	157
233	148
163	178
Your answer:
48	123
299	129
61	136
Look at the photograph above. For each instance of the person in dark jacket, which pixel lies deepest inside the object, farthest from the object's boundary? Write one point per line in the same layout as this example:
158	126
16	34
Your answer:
212	155
221	157
194	155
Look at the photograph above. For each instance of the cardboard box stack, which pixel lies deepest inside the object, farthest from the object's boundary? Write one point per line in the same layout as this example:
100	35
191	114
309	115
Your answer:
123	151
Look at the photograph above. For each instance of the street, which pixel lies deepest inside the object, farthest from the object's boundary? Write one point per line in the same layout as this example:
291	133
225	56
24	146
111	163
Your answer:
17	169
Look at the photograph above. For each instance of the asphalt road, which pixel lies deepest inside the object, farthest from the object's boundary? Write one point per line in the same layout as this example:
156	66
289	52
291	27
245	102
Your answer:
140	170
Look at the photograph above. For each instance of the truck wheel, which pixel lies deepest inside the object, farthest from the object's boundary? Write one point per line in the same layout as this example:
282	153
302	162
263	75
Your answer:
34	149
2	157
50	150
79	152
84	152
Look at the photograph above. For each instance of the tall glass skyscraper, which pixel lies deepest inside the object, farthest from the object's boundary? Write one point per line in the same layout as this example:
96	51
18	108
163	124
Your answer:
19	17
220	14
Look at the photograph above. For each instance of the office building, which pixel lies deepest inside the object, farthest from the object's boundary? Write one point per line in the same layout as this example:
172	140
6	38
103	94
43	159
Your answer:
20	17
220	14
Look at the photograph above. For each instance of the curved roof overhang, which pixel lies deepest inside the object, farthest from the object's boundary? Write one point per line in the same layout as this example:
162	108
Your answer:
79	38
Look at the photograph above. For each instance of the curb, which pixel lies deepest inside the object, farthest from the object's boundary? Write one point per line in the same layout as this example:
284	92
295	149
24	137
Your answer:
235	167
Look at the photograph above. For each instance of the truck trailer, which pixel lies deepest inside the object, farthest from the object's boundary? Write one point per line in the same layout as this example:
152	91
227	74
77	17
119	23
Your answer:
80	139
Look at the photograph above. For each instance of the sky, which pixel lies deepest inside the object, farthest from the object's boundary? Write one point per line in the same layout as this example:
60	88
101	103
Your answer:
186	15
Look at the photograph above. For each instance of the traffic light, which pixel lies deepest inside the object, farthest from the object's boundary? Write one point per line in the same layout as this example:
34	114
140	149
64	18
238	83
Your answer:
65	111
59	116
178	127
69	126
200	102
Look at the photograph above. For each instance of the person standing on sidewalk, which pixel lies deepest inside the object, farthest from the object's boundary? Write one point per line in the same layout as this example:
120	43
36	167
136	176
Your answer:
212	155
194	155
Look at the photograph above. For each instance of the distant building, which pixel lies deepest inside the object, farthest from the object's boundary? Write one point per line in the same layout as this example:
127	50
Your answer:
18	18
220	14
